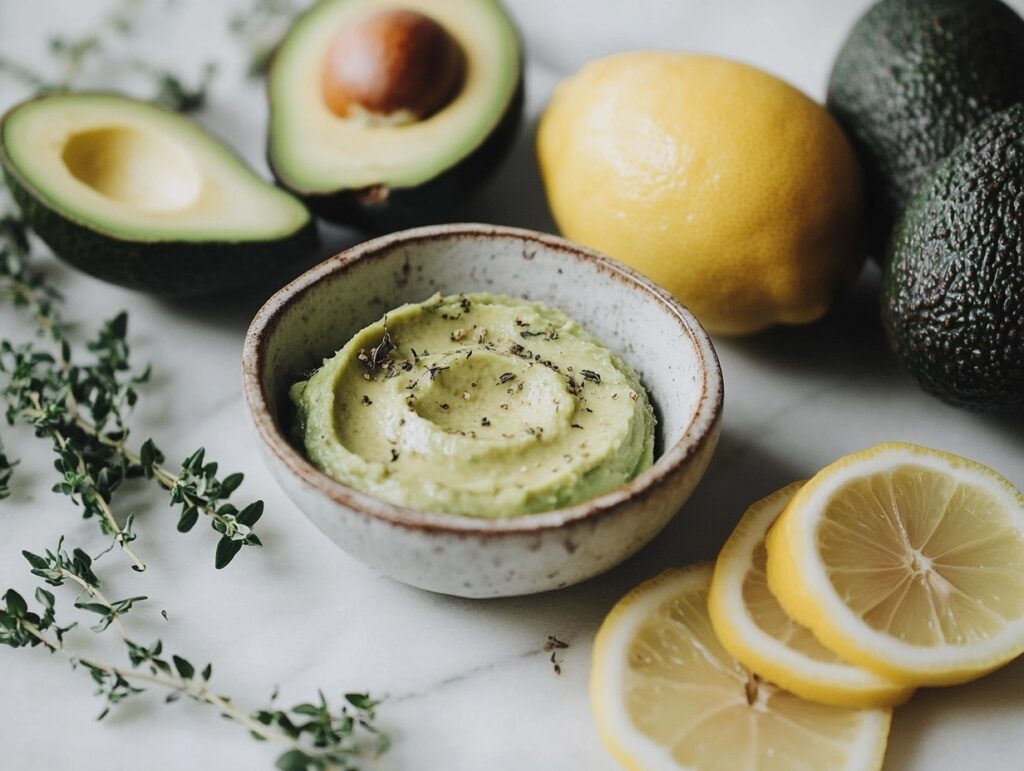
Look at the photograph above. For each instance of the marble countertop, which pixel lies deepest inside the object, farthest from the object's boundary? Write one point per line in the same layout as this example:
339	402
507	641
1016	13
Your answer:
467	683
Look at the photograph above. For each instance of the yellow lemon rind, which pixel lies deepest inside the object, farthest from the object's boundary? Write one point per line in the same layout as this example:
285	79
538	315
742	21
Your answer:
636	752
799	581
674	164
609	715
839	684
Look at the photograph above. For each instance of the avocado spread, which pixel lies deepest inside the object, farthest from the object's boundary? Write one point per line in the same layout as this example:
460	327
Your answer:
476	404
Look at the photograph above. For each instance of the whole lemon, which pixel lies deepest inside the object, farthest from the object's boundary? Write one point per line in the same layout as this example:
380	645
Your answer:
729	187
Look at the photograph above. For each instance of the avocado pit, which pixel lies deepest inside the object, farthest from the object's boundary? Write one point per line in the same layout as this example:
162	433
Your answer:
394	67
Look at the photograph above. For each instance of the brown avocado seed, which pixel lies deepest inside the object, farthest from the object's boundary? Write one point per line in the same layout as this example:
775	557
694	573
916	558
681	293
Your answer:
396	65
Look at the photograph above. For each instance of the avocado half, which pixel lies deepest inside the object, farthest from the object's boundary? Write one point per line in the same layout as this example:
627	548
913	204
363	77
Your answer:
141	196
953	284
911	79
381	176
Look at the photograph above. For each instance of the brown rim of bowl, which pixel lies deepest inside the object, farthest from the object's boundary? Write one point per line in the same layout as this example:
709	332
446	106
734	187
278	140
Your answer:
697	433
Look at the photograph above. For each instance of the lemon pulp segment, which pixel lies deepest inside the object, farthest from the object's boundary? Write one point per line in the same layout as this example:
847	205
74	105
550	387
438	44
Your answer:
755	629
908	561
667	695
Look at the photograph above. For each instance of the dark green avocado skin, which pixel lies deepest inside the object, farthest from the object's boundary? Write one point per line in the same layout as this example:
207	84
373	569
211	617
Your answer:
384	210
953	286
911	79
170	268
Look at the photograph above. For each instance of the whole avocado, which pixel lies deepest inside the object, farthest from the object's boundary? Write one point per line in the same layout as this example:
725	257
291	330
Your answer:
912	78
953	285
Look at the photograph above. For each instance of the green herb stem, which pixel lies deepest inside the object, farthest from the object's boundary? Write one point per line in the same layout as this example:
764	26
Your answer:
24	287
94	591
69	56
6	472
37	308
29	77
259	28
82	408
316	737
120	537
165	478
195	689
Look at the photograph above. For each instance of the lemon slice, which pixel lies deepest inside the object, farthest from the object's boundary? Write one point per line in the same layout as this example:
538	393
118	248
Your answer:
667	695
755	629
905	560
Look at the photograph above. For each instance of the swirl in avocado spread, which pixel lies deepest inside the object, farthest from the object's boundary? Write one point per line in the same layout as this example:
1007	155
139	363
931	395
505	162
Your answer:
476	404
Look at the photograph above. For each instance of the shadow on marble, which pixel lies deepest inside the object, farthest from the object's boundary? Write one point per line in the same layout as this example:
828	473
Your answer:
1001	690
515	194
31	482
849	341
740	473
236	310
1011	424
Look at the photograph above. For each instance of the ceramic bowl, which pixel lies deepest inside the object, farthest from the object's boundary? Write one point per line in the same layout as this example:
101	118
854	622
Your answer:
316	314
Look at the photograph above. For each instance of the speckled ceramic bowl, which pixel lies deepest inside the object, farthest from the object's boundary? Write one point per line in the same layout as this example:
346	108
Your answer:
316	314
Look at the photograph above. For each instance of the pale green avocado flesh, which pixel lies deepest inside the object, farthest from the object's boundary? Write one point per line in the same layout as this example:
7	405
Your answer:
134	171
476	404
313	151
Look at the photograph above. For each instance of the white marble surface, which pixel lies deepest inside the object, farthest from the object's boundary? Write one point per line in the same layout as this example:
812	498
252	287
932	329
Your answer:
467	683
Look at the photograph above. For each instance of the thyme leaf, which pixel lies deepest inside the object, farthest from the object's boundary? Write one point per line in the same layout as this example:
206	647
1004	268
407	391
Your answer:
6	472
172	92
554	645
378	357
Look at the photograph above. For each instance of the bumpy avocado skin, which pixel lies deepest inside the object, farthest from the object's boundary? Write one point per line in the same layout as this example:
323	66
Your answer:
953	286
384	210
911	79
171	268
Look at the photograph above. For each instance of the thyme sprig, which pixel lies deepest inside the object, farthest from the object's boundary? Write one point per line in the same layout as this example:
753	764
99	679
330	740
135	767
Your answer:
24	286
20	627
82	409
259	28
6	472
198	489
57	567
50	393
172	92
70	56
314	735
